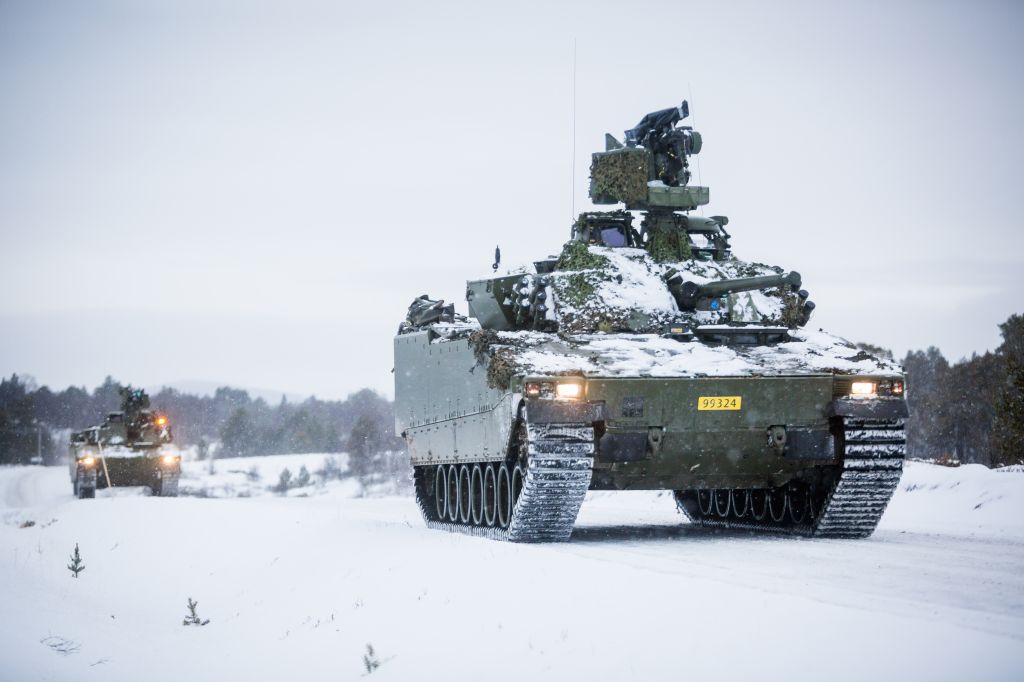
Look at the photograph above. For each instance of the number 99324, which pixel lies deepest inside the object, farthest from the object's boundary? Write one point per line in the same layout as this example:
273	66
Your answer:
719	402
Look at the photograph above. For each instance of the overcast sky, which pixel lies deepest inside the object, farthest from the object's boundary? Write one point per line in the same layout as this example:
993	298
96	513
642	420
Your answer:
252	193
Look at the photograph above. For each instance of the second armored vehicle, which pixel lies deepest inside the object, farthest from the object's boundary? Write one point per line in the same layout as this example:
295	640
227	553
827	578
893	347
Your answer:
644	357
132	447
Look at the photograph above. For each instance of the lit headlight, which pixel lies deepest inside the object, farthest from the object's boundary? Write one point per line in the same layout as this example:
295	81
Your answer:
862	388
569	391
562	390
169	459
88	461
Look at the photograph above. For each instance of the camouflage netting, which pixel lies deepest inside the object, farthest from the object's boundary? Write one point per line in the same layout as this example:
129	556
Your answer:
577	256
502	369
668	245
619	175
792	310
587	285
481	341
500	360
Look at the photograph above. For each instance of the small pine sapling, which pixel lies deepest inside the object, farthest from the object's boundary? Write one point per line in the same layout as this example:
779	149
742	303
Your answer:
302	480
284	482
331	469
370	659
193	618
76	566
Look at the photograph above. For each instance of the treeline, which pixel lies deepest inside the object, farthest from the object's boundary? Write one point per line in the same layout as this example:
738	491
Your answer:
35	420
971	411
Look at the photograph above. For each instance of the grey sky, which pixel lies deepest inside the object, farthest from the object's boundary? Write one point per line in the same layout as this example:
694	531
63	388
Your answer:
252	193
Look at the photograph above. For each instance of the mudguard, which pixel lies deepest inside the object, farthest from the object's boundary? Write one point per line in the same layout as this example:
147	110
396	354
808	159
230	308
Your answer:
543	411
869	408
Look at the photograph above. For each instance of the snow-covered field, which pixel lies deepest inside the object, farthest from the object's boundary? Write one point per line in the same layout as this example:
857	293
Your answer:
296	586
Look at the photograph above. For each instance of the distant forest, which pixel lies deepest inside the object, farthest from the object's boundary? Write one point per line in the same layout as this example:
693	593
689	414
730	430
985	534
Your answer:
971	411
227	424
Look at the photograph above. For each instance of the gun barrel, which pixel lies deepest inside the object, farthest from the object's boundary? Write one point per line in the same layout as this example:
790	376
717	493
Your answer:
731	286
689	293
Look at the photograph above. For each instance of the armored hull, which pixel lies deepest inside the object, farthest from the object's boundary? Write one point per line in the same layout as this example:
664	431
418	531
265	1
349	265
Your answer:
778	451
650	360
132	447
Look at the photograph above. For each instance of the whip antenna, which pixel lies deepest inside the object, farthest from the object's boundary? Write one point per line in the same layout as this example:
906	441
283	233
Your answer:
572	134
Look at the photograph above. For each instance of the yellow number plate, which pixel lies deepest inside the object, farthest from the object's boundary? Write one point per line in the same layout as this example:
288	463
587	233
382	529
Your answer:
719	402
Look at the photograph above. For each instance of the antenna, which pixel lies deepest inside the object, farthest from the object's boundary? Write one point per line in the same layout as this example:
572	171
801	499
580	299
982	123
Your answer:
572	132
693	120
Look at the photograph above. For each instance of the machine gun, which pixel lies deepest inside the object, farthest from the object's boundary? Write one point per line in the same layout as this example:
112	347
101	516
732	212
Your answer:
669	146
424	311
654	150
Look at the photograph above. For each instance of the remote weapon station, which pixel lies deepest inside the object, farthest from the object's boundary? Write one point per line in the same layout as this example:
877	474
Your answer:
131	447
644	356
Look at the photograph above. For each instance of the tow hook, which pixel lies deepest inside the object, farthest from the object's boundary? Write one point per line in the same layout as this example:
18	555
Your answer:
777	438
654	435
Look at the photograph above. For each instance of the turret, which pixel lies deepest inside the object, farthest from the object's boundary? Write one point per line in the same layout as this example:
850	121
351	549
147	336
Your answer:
620	290
650	172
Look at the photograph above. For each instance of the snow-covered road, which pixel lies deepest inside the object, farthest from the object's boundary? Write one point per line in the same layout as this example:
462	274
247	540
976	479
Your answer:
298	586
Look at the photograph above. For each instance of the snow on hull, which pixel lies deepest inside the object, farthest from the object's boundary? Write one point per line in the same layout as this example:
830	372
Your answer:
648	355
628	288
651	355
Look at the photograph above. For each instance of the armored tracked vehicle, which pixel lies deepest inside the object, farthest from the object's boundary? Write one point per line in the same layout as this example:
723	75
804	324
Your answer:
644	356
132	447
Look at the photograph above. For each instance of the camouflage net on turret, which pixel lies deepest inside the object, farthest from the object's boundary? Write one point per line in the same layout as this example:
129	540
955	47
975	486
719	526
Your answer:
577	256
619	175
668	245
792	310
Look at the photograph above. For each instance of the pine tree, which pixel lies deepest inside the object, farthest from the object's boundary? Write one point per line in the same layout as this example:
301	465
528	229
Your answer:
238	435
302	480
929	433
285	481
76	566
370	660
1008	436
193	618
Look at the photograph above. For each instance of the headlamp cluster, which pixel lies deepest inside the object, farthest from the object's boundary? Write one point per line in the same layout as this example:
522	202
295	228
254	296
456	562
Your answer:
874	388
559	390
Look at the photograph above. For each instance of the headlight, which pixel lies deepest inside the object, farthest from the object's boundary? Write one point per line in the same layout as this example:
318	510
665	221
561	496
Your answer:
88	461
862	388
169	459
562	390
569	391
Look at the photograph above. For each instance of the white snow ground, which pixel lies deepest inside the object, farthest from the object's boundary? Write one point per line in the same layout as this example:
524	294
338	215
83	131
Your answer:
296	587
